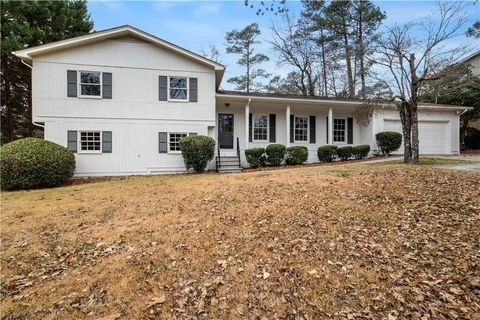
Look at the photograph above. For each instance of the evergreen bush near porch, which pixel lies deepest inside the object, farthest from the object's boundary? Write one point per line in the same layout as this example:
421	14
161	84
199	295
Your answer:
327	153
275	153
256	157
361	151
197	151
388	141
296	155
345	153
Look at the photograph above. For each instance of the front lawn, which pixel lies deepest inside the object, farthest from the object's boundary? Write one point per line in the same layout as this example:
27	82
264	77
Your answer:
353	241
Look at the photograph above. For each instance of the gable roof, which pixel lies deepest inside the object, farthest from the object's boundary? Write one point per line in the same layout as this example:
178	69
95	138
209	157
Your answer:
470	57
121	31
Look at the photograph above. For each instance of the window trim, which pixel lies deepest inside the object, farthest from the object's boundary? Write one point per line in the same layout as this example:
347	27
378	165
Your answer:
79	144
345	131
168	142
80	95
253	128
188	90
308	129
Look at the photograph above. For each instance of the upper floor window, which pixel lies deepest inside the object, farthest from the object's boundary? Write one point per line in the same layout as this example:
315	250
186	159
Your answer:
301	128
339	130
178	88
90	84
90	141
260	127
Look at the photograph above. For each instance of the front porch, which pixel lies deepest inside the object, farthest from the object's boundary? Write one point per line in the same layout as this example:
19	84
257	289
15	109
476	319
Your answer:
247	122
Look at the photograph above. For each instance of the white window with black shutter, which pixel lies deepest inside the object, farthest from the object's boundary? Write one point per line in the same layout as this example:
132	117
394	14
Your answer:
260	127
177	88
301	128
340	130
89	84
89	141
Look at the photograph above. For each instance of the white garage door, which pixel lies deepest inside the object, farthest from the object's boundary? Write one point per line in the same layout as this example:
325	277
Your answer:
433	135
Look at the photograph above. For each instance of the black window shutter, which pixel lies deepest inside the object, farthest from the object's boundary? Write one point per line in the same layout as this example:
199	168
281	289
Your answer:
192	134
249	127
193	87
313	134
72	141
162	88
272	120
107	141
292	128
71	83
350	130
107	85
162	142
327	130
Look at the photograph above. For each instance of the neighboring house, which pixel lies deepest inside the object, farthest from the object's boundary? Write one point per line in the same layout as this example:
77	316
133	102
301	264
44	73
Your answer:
122	99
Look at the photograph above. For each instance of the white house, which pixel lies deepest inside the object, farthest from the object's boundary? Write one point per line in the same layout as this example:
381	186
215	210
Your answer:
121	99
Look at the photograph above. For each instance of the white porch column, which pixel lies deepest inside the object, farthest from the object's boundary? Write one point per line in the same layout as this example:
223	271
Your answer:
330	125
287	117
247	114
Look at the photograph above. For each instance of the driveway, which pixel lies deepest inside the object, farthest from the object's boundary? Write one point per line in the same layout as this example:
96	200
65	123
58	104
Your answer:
474	166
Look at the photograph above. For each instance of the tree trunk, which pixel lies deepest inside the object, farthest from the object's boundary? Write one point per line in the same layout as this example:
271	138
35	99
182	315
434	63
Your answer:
361	51
413	107
9	107
324	66
405	118
348	60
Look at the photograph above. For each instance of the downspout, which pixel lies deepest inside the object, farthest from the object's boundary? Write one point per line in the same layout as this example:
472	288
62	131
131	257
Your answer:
461	112
33	122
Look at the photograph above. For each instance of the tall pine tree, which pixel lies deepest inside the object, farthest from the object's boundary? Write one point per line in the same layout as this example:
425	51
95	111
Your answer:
28	24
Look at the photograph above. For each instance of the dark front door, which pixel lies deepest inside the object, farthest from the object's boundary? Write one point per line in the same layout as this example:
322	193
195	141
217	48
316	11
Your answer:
225	130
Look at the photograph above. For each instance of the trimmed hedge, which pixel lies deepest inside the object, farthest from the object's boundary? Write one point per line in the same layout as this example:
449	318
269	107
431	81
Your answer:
256	157
327	153
388	141
275	153
345	153
296	155
197	151
361	151
35	163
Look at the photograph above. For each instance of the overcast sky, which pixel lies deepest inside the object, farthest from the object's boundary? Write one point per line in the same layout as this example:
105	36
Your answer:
196	24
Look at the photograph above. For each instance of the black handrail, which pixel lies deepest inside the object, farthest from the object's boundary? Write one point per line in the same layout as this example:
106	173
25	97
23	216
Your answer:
218	154
238	152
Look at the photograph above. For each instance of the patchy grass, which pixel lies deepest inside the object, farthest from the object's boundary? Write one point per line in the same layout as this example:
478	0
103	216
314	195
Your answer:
431	161
340	172
360	241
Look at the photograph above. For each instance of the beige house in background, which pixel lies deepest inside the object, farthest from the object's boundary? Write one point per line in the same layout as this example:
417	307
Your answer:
474	61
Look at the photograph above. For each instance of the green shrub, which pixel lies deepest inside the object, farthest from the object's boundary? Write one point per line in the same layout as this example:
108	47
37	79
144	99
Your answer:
256	157
345	153
275	153
388	141
197	151
35	163
296	155
472	139
327	153
360	152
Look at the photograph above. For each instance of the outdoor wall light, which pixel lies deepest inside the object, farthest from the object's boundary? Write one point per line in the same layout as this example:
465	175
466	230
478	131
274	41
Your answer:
227	105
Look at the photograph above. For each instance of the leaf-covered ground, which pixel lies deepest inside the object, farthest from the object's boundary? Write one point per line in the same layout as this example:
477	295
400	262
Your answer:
356	242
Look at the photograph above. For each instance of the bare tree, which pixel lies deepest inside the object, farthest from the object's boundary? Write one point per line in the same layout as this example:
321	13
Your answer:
296	49
211	53
410	62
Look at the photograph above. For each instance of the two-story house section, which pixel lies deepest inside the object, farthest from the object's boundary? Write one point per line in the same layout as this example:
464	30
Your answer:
122	99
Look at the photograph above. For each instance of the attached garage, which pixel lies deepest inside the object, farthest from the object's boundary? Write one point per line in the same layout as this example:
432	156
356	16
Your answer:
434	136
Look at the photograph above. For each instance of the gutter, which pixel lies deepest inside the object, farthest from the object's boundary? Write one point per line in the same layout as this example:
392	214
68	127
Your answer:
33	122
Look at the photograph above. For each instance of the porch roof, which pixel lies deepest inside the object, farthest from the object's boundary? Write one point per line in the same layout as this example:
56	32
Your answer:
290	98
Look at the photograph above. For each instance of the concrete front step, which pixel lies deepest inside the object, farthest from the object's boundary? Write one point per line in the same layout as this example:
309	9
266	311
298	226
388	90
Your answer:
230	170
